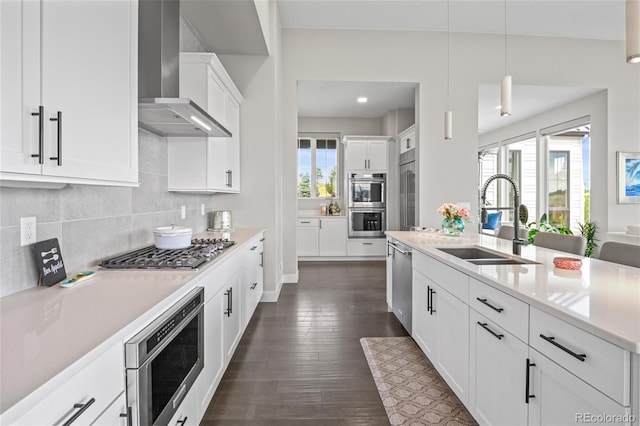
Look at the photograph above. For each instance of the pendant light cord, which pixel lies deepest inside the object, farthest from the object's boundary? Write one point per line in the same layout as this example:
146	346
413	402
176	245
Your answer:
448	56
505	37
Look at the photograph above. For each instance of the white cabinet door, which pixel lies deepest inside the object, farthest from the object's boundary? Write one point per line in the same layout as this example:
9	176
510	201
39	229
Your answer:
115	415
216	97
377	156
214	352
88	74
232	313
84	76
407	141
332	237
453	340
232	148
19	85
357	155
390	281
560	398
251	286
497	374
424	319
307	241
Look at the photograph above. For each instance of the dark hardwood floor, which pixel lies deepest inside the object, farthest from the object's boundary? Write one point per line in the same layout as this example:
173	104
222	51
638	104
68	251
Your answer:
300	361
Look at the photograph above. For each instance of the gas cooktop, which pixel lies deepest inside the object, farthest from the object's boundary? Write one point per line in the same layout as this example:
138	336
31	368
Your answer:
200	251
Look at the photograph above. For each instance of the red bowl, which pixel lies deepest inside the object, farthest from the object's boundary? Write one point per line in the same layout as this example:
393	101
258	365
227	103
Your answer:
572	263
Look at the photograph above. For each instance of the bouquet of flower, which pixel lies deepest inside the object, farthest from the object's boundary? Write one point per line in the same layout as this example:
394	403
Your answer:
453	211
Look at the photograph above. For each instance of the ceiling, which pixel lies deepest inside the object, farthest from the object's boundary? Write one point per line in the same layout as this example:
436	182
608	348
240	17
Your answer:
526	101
339	98
585	19
589	19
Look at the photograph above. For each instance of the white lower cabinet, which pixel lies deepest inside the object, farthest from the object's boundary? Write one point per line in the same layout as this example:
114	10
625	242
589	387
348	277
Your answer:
214	352
115	415
366	247
232	313
85	396
441	326
513	364
560	398
253	283
332	237
497	363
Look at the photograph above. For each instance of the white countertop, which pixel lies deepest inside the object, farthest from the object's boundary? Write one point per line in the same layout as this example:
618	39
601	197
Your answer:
45	330
602	298
316	214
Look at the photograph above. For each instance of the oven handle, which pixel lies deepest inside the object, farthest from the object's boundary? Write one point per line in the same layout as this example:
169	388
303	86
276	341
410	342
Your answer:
178	399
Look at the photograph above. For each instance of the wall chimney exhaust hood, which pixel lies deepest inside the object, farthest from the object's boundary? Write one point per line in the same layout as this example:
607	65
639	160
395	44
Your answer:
160	109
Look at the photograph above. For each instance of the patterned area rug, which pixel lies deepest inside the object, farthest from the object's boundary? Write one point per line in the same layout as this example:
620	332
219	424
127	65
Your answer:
412	391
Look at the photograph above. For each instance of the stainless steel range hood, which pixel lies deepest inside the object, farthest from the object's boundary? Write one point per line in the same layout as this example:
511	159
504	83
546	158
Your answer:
160	108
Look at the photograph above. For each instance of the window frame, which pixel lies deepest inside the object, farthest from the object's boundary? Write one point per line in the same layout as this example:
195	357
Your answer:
313	138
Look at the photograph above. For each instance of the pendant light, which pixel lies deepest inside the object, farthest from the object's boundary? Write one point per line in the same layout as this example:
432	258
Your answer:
448	115
505	84
633	31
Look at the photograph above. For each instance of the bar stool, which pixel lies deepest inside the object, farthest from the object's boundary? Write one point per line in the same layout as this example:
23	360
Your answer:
575	244
625	254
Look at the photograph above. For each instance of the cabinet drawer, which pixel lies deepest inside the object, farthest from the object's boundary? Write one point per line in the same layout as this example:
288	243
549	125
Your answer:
308	222
366	247
102	381
601	364
506	311
455	282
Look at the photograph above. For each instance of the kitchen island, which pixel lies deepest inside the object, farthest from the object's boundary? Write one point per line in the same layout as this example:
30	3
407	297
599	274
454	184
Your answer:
51	334
528	343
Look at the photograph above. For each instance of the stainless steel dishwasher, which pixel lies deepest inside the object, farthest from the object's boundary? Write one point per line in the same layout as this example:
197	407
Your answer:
401	281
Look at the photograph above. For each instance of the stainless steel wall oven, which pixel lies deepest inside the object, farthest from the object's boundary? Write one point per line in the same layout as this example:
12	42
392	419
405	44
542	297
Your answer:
367	223
164	359
367	190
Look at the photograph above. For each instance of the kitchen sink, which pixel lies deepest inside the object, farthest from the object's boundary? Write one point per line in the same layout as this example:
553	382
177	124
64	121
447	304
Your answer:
472	253
480	256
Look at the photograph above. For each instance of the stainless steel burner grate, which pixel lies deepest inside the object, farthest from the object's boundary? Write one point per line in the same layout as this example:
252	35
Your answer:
201	251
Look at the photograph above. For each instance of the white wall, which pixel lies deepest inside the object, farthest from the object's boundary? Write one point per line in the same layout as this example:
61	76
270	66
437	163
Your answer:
260	202
448	170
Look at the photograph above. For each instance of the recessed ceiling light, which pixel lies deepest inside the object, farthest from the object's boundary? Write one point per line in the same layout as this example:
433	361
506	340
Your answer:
362	100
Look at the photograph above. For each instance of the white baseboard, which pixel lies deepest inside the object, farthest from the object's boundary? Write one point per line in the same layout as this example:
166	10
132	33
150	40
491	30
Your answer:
290	278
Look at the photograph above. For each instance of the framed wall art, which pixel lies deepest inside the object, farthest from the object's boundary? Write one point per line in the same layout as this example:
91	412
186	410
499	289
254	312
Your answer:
628	177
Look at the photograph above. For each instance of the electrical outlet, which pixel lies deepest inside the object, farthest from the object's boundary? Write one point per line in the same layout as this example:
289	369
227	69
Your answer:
201	209
183	212
27	230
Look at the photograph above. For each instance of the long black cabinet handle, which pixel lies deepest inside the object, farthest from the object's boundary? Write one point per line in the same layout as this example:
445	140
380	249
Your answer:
228	294
253	286
428	299
552	340
496	335
262	239
82	409
182	422
484	301
58	118
40	115
230	301
253	248
261	259
527	395
431	293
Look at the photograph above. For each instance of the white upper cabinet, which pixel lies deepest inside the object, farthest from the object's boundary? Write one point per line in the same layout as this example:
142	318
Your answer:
69	92
367	153
207	164
407	139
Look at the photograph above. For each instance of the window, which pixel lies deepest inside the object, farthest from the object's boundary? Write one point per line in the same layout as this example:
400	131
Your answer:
558	184
318	167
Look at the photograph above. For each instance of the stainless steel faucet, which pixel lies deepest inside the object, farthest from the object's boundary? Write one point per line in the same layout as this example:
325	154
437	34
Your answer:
517	242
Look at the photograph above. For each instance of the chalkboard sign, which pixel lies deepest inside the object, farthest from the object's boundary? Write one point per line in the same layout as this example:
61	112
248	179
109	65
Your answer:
49	261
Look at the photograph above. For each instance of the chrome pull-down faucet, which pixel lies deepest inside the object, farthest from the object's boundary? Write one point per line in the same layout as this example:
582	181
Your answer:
517	242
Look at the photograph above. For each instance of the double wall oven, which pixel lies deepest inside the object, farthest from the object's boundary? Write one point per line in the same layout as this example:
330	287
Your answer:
367	204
